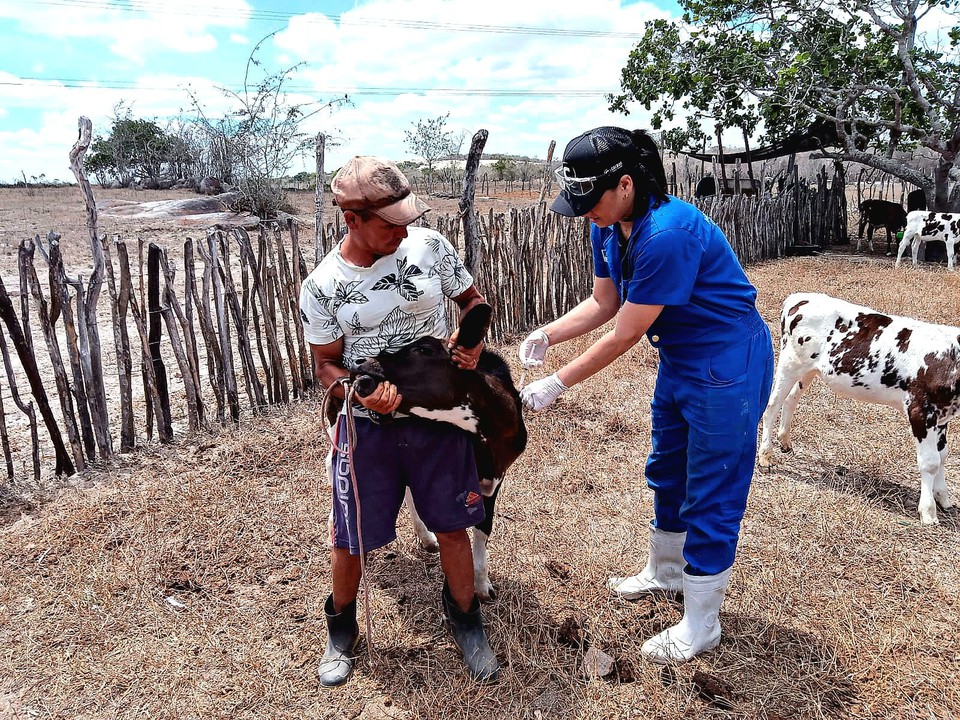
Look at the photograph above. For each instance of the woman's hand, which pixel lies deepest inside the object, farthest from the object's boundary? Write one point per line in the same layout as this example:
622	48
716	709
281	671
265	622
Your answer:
541	393
464	358
533	350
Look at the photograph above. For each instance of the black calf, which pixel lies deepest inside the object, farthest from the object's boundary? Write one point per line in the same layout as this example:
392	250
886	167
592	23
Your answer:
877	214
484	402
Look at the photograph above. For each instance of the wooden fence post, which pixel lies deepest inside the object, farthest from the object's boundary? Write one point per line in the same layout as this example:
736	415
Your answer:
90	333
223	327
155	332
251	379
304	357
471	238
274	370
172	313
61	305
319	246
121	341
289	312
56	360
214	355
189	280
64	465
5	438
149	378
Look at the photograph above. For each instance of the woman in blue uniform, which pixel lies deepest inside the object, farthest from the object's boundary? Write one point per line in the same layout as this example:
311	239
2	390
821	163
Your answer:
665	270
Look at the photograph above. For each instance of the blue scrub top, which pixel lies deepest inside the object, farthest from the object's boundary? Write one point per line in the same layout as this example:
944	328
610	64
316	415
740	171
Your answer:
677	257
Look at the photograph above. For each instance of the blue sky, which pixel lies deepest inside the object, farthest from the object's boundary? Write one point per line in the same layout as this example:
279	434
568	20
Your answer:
529	72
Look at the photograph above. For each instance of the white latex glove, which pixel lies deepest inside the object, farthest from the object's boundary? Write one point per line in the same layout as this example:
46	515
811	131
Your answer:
541	393
533	349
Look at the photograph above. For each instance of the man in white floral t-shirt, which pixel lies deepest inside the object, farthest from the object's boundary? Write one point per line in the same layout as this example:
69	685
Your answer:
382	287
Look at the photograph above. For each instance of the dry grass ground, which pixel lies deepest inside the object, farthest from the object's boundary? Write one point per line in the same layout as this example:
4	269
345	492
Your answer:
187	581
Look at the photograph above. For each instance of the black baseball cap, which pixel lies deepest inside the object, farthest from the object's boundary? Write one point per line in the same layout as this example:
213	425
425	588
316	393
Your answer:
593	162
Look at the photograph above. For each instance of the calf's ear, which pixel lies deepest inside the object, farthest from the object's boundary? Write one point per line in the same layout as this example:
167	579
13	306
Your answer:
473	325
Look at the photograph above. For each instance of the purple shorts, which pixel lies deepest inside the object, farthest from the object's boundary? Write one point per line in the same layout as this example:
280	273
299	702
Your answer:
434	459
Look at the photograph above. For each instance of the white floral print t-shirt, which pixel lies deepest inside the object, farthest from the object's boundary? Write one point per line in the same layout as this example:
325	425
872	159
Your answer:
385	306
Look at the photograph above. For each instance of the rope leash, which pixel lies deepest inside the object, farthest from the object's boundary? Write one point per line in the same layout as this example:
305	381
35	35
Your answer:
348	392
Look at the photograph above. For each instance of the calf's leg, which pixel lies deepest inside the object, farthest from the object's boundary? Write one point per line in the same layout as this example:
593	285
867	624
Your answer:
903	247
428	541
915	246
481	535
790	407
929	462
940	492
481	575
783	399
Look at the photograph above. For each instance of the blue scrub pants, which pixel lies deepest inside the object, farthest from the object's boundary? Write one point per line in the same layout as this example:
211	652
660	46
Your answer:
704	416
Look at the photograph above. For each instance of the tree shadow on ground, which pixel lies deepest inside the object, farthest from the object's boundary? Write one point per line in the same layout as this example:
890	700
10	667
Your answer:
790	673
867	482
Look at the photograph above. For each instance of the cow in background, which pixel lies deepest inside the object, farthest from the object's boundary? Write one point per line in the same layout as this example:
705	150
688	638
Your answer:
867	355
916	200
925	226
877	214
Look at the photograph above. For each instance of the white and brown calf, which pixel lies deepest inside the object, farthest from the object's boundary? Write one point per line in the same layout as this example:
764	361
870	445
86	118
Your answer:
874	357
923	226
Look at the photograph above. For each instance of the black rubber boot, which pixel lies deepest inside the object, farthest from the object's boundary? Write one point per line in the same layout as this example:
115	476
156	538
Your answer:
468	634
343	634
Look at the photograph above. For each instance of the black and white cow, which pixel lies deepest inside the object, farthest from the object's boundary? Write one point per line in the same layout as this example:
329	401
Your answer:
924	226
874	357
484	402
877	214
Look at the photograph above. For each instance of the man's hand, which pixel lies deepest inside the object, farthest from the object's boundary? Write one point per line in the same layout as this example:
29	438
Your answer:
533	350
541	393
384	400
462	357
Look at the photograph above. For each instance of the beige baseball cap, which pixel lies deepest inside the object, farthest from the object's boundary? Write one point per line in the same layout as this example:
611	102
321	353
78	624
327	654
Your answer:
377	185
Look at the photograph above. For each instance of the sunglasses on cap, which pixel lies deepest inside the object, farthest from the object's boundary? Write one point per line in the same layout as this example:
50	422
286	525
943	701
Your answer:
579	186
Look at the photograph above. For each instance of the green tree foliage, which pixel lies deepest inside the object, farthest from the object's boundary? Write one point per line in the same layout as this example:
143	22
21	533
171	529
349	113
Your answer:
861	66
505	169
134	150
430	140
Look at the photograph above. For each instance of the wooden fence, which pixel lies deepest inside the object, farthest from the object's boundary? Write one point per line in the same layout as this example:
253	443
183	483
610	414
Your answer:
233	335
223	315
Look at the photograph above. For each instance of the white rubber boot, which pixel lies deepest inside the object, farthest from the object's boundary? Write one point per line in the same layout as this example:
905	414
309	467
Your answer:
663	573
699	629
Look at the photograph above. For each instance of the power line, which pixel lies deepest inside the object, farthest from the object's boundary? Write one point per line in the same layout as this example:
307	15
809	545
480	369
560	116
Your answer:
143	7
76	84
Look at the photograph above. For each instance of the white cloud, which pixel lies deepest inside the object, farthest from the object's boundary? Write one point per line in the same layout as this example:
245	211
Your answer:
178	25
42	147
557	82
311	37
364	50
